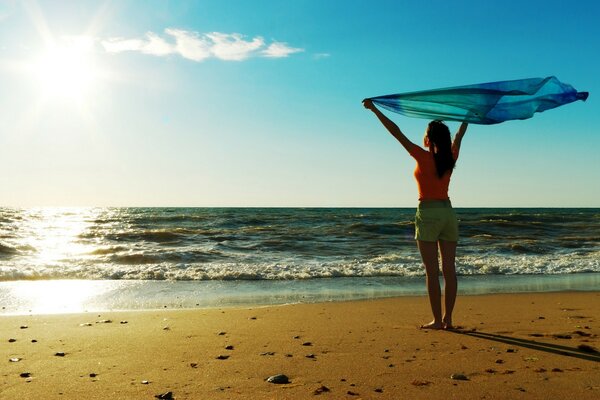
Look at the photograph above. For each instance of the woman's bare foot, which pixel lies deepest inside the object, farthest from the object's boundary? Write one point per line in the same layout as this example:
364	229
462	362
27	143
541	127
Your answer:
433	325
447	323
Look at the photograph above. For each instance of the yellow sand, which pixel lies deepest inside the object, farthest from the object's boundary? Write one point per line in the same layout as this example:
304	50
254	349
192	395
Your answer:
364	349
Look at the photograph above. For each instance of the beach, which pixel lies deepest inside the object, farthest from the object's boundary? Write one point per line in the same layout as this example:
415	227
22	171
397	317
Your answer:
508	346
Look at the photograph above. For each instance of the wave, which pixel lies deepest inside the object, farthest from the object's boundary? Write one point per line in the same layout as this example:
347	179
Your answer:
7	250
153	267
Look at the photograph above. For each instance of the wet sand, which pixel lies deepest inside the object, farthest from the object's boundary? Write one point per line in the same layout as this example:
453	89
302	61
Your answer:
533	346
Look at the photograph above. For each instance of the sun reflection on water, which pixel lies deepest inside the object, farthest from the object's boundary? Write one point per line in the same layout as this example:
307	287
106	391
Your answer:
54	233
54	297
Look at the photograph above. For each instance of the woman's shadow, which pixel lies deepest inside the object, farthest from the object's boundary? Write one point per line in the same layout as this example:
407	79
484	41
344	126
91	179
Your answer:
582	351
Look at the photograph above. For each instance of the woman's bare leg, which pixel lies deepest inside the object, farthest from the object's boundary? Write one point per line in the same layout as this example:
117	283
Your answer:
448	250
429	254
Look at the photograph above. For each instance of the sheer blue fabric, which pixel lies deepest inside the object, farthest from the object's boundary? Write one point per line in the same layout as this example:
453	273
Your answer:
484	103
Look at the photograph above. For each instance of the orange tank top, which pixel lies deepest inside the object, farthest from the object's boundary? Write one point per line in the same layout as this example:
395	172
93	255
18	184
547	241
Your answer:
431	187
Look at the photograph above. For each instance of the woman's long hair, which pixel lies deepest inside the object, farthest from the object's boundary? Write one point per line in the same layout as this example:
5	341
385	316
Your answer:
441	147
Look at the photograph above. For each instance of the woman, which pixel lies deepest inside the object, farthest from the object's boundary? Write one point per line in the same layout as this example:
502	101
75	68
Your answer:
435	222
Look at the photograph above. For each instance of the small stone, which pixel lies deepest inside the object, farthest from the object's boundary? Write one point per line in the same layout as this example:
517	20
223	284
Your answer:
378	390
86	324
296	337
540	370
510	350
321	389
15	359
459	377
310	356
587	349
166	328
541	317
104	321
418	382
194	365
33	341
221	333
562	336
351	393
222	357
230	347
24	327
268	353
25	374
145	382
557	370
252	318
123	322
307	344
490	371
12	340
289	355
499	361
93	375
278	379
59	354
165	396
463	347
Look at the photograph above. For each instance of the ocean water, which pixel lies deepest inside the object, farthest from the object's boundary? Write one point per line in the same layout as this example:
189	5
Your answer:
151	257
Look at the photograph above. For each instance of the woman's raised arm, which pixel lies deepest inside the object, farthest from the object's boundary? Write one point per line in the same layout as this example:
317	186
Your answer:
390	126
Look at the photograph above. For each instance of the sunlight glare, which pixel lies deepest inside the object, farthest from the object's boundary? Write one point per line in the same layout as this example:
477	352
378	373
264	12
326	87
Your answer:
67	70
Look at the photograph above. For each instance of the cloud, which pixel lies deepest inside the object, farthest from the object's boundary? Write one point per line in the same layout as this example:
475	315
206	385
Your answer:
190	45
279	50
319	56
199	47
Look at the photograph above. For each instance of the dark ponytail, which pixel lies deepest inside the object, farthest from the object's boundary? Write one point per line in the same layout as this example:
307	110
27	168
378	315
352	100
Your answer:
441	147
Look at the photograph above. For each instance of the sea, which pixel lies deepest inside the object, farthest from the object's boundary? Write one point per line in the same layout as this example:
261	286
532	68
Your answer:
60	260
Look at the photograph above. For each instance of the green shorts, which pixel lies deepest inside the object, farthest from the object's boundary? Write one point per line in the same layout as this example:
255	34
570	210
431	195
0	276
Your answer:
436	220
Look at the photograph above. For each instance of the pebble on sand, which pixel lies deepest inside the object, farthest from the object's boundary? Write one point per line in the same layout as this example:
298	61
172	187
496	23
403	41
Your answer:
12	340
60	354
230	347
25	374
418	382
24	327
165	396
278	379
459	377
16	359
222	357
321	389
587	349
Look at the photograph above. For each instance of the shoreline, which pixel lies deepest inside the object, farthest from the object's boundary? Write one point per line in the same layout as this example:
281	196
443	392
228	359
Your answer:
73	296
516	345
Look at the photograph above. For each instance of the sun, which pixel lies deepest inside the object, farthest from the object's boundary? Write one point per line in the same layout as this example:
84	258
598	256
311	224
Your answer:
67	69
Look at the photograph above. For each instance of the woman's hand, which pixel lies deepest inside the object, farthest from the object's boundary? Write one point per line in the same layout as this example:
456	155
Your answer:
368	104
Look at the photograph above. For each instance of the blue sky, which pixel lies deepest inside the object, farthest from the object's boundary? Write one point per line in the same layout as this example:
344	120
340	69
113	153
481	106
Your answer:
257	103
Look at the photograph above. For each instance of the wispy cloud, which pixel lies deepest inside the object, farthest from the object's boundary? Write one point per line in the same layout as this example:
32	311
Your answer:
278	50
198	47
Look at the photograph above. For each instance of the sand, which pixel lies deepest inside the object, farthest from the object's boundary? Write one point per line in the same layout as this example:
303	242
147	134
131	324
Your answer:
510	347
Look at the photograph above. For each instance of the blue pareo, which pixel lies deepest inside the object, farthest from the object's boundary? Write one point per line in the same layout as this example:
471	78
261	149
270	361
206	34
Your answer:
484	103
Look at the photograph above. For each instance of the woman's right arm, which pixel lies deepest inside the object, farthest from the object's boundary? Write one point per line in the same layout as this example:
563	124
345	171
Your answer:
458	138
390	126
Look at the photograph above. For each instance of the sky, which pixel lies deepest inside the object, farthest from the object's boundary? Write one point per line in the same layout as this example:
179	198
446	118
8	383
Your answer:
258	103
